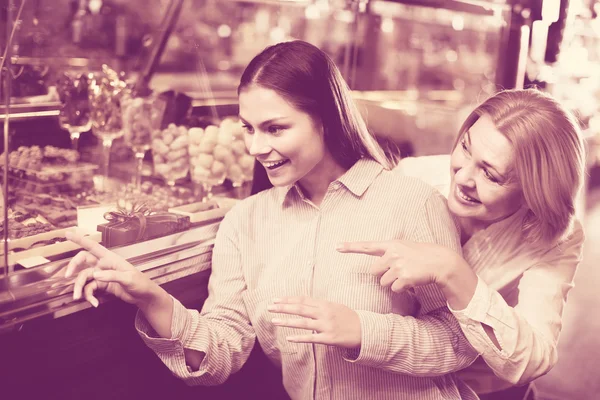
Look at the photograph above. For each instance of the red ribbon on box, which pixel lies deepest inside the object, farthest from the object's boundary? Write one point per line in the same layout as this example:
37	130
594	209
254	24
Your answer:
122	216
123	224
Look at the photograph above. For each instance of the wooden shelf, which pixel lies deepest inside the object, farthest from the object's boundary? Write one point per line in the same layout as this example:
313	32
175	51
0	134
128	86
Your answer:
30	110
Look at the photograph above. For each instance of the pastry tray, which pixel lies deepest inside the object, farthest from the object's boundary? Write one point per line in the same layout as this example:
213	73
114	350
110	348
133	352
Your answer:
47	250
51	173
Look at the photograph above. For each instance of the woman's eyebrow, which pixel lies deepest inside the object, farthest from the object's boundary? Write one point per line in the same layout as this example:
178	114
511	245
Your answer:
264	123
490	166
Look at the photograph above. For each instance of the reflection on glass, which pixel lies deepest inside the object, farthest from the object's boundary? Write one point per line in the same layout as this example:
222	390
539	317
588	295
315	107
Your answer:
141	117
209	157
239	30
240	171
218	152
204	185
170	153
75	111
106	91
436	52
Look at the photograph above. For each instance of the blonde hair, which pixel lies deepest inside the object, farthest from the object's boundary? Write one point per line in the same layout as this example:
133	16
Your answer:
549	157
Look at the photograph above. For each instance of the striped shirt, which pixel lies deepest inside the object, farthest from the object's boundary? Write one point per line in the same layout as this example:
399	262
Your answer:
277	243
520	294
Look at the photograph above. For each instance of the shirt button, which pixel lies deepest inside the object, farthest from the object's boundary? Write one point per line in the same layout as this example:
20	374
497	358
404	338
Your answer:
335	185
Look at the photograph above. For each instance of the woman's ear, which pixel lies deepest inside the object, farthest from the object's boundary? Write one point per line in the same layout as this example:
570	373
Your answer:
321	128
318	125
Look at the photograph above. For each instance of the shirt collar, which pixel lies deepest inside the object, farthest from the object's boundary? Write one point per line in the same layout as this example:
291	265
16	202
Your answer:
357	180
513	223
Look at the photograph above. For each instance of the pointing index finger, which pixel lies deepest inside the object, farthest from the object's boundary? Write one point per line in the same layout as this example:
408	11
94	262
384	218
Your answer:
369	248
88	244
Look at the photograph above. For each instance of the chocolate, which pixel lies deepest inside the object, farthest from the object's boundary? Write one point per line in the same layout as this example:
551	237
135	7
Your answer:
17	230
43	199
54	217
40	243
20	217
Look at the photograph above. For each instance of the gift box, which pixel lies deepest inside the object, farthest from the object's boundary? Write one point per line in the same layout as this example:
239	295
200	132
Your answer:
126	228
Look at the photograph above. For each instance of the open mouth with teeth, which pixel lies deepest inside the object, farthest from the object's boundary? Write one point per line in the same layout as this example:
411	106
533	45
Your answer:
271	165
466	198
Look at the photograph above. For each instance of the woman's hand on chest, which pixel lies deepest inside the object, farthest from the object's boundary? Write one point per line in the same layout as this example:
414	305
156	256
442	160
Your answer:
325	322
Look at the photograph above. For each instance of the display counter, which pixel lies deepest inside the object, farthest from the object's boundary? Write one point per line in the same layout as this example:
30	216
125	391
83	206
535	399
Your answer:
55	348
44	291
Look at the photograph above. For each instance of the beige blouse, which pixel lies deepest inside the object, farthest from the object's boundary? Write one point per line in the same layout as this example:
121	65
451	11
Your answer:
521	292
278	243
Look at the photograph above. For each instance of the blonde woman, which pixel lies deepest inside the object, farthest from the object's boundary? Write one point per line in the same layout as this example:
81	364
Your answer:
515	173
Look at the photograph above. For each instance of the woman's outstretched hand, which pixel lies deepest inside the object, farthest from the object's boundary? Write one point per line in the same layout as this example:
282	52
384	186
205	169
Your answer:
99	269
404	264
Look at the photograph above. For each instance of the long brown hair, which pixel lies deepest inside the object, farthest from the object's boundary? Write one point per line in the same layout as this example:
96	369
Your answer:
310	81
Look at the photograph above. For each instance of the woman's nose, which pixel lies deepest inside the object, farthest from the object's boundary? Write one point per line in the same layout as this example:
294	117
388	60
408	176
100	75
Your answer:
464	175
257	144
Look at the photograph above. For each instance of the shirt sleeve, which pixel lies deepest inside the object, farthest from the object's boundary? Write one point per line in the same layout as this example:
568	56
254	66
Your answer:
431	343
527	333
221	331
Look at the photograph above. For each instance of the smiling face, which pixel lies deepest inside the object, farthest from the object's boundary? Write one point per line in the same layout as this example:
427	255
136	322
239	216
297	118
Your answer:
483	189
286	141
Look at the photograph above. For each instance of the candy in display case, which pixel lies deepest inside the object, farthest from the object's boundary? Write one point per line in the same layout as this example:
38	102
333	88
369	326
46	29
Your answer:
46	186
170	153
53	179
218	152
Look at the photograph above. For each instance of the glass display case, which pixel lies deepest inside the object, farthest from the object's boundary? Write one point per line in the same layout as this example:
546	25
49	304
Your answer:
428	67
414	66
151	85
123	127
